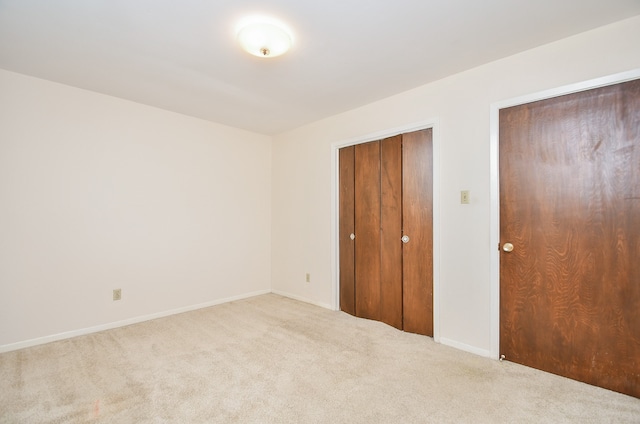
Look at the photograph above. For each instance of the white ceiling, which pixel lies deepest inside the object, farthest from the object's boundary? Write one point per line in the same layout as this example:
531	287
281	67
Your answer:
181	55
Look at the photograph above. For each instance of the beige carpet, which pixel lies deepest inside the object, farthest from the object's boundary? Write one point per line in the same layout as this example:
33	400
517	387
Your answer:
271	359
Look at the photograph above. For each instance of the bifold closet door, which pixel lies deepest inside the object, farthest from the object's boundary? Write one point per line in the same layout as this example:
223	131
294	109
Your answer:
378	229
386	193
417	226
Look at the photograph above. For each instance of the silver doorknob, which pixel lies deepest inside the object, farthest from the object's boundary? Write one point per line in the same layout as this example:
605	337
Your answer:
352	236
405	239
507	247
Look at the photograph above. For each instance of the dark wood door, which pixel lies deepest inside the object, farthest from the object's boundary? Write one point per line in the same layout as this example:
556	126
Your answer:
346	165
391	231
386	186
570	205
367	225
417	222
378	226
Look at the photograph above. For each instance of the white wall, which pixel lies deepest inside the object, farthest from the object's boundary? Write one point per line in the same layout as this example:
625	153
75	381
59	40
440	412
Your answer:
98	193
302	191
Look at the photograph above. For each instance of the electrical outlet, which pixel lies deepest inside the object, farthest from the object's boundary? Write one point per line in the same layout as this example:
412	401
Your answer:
117	294
308	277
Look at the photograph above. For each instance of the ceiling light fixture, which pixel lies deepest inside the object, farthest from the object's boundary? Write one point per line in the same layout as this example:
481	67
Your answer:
264	37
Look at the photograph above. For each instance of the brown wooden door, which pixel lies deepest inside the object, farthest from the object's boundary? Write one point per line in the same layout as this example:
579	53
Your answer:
367	225
378	221
386	186
417	222
570	205
391	231
347	228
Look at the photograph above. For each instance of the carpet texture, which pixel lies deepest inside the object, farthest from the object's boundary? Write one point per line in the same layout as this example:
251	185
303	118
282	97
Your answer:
270	359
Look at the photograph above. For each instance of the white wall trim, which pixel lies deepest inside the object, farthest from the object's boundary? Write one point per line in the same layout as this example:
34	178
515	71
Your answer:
123	323
303	299
494	224
465	347
433	123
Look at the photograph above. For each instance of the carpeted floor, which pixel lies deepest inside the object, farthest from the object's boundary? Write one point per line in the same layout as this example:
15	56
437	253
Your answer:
270	359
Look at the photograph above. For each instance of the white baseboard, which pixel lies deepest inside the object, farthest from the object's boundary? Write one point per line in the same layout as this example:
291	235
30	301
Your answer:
143	318
122	323
302	299
467	348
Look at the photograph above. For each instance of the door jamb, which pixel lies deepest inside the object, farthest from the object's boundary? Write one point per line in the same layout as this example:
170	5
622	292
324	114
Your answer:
434	124
494	191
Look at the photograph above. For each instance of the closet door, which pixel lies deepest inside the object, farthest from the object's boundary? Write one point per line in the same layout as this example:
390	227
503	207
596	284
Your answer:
417	222
367	225
378	224
391	231
347	230
386	191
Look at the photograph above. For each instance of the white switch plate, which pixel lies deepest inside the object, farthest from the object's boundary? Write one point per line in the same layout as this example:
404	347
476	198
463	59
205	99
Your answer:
465	197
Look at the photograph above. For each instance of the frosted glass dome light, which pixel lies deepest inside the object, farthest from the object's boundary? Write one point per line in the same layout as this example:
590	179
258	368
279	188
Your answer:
264	39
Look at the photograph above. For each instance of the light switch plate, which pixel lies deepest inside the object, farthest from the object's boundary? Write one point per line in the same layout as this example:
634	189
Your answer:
465	197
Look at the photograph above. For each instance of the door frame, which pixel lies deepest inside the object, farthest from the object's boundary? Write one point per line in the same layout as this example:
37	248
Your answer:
494	191
432	123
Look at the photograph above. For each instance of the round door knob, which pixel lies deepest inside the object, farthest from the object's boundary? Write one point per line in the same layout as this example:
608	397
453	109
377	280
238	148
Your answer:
352	236
507	247
405	239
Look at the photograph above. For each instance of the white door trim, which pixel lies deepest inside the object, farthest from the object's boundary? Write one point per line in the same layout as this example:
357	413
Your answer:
335	251
494	225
